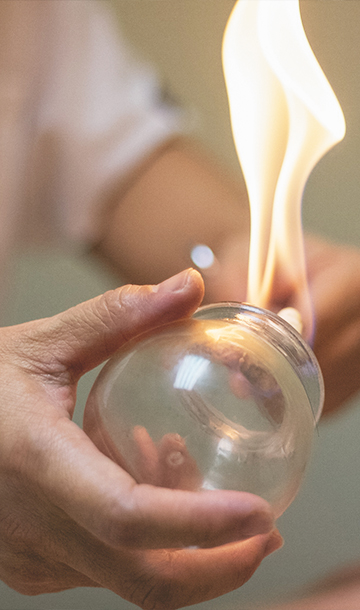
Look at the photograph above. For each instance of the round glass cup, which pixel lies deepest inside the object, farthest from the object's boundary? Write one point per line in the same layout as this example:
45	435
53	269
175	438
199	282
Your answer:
225	400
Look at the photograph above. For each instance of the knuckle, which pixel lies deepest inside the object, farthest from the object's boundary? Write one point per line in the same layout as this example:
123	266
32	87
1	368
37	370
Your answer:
120	299
116	310
110	304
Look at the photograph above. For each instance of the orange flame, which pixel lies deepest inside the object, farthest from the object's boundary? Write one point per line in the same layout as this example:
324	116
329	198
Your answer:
284	118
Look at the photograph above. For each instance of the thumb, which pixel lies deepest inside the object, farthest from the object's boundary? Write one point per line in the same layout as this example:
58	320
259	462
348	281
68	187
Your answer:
84	336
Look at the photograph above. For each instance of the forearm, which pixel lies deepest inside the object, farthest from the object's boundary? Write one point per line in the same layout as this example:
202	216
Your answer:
178	199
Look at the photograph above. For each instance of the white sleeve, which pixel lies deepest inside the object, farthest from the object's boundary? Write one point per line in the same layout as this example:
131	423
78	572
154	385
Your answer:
99	113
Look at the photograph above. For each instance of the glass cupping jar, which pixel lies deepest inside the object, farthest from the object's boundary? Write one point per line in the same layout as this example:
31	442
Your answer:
225	400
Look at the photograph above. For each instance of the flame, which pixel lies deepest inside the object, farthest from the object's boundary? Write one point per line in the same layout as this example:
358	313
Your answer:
284	117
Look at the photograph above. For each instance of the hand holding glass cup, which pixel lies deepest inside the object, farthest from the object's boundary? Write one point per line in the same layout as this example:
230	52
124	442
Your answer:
225	400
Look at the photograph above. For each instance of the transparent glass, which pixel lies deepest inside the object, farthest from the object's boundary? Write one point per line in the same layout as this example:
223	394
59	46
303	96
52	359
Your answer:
225	400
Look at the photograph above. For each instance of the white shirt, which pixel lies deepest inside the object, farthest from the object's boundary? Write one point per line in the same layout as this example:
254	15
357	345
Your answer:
77	113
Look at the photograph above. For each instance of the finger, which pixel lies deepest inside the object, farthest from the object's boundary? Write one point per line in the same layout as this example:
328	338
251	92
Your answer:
177	518
31	574
166	463
339	362
335	286
194	576
147	461
84	336
335	279
106	501
178	469
169	579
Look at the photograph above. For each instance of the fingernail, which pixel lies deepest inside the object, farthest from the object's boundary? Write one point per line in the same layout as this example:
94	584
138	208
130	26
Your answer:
176	283
275	543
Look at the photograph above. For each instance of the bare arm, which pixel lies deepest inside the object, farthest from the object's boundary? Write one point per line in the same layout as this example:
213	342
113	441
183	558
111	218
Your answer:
177	199
180	198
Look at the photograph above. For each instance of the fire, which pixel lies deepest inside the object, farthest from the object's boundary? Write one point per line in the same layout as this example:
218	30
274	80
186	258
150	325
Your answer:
284	117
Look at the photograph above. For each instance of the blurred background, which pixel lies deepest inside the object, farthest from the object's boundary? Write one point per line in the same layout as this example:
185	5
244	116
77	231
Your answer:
183	39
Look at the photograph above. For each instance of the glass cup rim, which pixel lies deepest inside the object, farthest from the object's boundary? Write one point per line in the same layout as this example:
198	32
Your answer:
284	337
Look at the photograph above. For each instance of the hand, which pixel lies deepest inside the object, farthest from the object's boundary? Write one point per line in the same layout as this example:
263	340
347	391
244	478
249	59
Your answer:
227	280
337	591
334	276
69	516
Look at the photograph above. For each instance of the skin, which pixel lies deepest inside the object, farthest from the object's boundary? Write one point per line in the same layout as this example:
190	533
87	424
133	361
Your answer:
334	279
334	276
179	198
70	516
